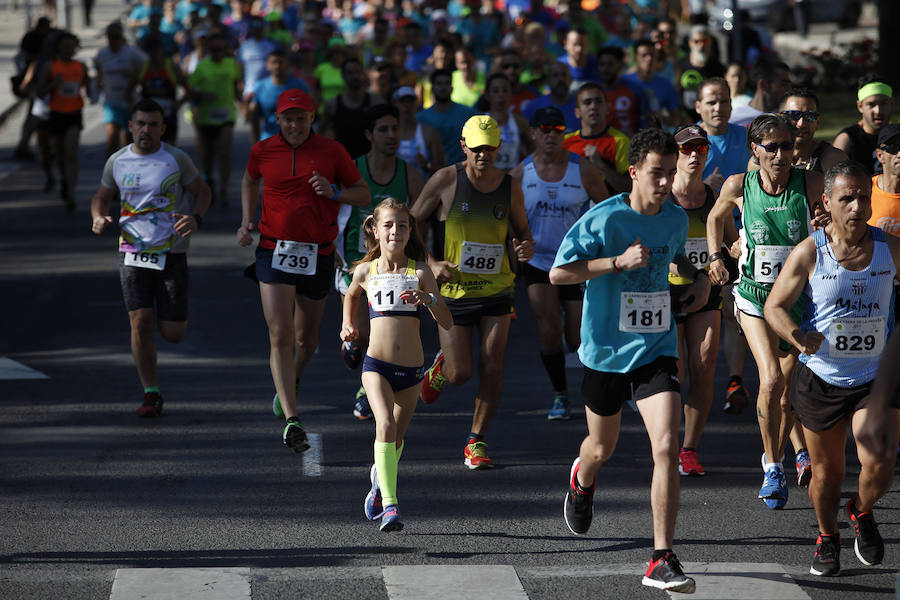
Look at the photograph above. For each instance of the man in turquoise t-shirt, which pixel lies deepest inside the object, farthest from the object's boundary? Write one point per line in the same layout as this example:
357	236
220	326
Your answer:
623	248
728	151
446	116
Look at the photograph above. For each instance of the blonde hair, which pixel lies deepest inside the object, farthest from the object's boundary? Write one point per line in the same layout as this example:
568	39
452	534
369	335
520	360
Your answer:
415	247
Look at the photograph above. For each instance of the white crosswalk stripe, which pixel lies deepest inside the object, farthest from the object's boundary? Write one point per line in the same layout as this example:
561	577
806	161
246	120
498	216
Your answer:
10	369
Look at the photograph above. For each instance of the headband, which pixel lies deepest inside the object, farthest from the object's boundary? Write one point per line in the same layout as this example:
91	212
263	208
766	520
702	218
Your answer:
874	88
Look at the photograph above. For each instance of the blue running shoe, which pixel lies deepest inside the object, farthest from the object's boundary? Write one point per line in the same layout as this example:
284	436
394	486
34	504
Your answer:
372	506
390	519
560	410
362	410
804	468
351	354
774	490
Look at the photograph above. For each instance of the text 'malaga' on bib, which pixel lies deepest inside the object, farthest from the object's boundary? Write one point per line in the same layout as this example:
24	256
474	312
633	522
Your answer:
856	337
299	258
384	291
645	312
145	260
768	262
481	259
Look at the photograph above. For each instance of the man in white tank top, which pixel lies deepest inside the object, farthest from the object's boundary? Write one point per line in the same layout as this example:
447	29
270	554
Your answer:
846	272
420	145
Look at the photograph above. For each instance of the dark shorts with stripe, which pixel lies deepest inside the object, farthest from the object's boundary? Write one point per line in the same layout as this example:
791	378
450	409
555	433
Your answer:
399	378
605	393
467	312
166	290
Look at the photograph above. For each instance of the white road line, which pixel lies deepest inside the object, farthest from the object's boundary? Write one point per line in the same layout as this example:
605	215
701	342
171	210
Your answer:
439	582
10	369
312	458
181	584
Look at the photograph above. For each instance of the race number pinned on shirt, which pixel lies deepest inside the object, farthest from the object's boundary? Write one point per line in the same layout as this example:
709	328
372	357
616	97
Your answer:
481	259
645	312
384	291
295	257
145	260
768	262
697	252
856	338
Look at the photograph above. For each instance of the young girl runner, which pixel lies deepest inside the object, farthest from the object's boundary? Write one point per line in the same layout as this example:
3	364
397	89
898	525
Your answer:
400	287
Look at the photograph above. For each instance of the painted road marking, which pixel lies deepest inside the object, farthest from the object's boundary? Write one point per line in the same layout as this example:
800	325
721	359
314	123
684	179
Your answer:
312	458
439	582
232	583
10	369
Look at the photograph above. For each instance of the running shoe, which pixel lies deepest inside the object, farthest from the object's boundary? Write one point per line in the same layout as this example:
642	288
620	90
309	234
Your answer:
869	546
372	506
351	354
666	574
294	437
362	410
774	490
390	519
804	468
578	507
434	380
476	456
152	405
560	410
688	463
276	403
736	398
827	560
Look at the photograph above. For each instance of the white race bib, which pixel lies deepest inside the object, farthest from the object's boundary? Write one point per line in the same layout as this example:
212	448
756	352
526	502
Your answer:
145	260
481	259
643	312
856	338
697	252
768	262
295	257
384	291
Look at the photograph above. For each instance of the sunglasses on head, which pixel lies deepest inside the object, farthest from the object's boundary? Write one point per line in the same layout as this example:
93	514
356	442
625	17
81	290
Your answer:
776	146
890	148
796	115
484	148
552	128
691	147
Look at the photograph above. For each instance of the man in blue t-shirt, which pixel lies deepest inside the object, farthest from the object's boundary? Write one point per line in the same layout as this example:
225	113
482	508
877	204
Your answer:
728	151
559	79
446	116
660	92
263	97
623	249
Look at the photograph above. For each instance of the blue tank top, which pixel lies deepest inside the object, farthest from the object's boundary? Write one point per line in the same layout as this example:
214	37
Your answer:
854	310
384	289
552	208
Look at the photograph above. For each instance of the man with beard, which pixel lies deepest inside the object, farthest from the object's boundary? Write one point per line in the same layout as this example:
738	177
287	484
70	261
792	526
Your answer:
874	101
154	237
560	81
696	67
344	118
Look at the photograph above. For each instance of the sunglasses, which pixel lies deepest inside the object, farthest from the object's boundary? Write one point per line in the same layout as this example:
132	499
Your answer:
481	149
691	147
510	66
552	128
890	148
796	115
775	147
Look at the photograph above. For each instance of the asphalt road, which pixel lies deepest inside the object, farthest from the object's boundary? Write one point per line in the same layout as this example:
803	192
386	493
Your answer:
88	490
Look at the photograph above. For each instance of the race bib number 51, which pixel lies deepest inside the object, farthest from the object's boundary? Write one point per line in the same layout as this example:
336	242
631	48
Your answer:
768	262
856	338
145	260
295	257
641	312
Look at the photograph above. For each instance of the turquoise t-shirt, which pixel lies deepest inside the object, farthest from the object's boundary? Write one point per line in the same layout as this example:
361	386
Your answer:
614	340
729	152
449	126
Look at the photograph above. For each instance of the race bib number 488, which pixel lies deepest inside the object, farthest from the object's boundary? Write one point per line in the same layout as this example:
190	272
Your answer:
481	259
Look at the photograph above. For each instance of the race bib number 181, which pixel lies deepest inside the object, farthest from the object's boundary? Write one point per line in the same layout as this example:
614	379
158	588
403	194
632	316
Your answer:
641	312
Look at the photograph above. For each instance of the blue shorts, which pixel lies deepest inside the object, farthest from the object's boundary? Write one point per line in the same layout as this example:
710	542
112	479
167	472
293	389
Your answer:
116	114
314	287
399	378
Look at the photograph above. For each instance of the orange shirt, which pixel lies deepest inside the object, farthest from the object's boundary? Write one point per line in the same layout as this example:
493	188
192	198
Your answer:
66	97
612	146
885	209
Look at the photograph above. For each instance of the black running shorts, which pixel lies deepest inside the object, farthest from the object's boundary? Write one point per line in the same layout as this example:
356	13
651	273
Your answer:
314	287
573	292
605	393
819	405
166	290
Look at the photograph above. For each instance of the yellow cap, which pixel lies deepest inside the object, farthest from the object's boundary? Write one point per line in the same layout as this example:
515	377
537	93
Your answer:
481	130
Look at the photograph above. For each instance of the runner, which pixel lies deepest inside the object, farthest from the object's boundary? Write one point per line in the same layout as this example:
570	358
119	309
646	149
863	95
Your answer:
477	204
118	65
344	116
295	257
263	98
396	279
800	106
623	248
159	78
886	190
874	101
776	204
419	144
156	222
402	183
558	187
846	274
515	138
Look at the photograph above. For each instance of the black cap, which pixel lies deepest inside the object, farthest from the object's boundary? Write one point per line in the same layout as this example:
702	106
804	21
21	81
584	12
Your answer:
548	116
379	61
688	133
888	132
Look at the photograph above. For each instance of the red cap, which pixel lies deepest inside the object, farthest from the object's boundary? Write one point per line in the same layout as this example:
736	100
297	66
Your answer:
294	99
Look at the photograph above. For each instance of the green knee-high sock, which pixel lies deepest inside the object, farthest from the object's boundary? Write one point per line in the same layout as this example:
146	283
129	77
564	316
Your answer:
400	450
386	466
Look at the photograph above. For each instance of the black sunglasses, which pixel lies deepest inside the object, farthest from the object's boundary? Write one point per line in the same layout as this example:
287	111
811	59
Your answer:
775	147
890	148
796	115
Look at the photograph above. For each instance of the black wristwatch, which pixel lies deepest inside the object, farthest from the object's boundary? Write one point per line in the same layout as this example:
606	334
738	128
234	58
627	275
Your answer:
199	220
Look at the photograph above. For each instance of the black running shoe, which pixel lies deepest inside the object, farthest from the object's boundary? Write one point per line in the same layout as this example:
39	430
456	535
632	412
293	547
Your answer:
152	405
294	437
827	561
665	573
578	507
351	354
869	546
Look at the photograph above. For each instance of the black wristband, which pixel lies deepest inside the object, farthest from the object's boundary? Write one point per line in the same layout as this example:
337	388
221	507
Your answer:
199	220
715	256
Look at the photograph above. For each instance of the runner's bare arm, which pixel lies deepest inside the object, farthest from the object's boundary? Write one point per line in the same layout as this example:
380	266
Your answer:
815	189
186	224
356	194
730	197
786	290
841	142
878	432
634	257
100	208
433	193
697	294
593	181
428	285
414	183
349	330
523	242
249	202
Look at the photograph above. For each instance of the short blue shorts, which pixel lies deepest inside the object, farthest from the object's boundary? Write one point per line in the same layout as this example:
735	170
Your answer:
116	114
399	378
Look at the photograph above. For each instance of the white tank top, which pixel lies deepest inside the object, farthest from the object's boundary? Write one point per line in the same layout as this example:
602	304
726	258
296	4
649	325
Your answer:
508	155
552	208
408	149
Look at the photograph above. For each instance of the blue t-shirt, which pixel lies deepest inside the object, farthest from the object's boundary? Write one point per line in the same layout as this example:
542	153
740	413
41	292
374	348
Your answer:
729	152
567	109
252	54
583	74
607	230
659	91
449	126
266	93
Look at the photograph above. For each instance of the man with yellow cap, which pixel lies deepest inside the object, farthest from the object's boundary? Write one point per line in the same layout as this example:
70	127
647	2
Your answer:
874	101
476	203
